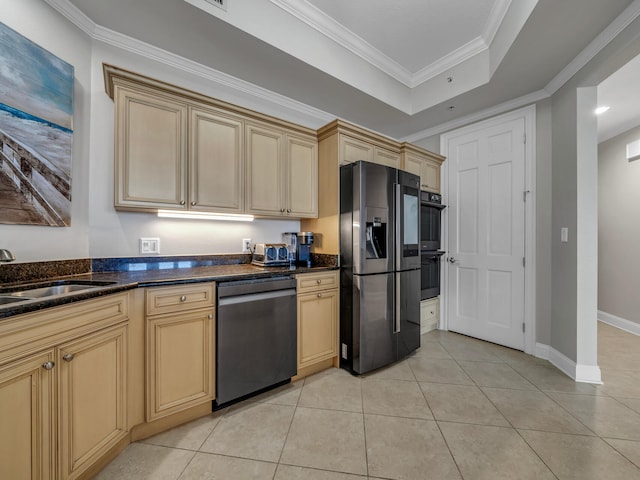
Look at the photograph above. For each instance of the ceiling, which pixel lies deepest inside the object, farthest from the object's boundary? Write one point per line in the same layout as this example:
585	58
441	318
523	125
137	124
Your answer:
620	93
399	68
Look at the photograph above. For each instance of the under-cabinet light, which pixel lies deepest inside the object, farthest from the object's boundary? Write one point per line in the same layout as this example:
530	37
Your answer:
601	110
205	216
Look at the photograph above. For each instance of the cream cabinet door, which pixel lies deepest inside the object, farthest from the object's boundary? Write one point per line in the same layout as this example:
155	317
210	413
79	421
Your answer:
317	327
352	150
386	157
216	162
302	177
412	164
180	362
430	176
265	170
151	151
27	420
92	398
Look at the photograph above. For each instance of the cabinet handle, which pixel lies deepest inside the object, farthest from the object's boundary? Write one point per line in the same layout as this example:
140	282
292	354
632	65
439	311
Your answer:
48	365
193	204
210	316
181	202
183	298
318	281
288	210
68	357
319	295
282	210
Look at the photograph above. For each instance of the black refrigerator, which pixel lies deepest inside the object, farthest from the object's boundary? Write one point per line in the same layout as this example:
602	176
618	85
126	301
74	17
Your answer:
379	265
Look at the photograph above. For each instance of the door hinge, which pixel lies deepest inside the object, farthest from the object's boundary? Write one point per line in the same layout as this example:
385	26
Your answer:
524	195
524	261
523	327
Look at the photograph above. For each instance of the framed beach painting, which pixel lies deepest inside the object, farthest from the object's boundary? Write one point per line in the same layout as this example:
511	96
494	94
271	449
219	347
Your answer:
36	133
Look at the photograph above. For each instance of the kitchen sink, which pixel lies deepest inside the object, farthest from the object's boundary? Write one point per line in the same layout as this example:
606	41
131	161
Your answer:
51	291
42	290
5	299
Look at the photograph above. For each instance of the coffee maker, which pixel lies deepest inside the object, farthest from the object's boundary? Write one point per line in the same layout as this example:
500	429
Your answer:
299	244
305	240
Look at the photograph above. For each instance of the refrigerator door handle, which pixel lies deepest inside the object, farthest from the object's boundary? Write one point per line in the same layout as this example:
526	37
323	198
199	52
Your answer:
398	224
396	303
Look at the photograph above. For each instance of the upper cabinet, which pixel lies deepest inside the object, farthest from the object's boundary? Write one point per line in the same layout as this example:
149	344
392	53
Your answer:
424	163
177	149
282	172
216	167
353	149
151	150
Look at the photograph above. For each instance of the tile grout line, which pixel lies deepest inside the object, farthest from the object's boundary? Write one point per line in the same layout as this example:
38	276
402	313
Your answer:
295	409
508	421
453	458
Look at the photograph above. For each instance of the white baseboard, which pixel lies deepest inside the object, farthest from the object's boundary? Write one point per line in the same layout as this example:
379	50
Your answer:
542	351
618	322
578	372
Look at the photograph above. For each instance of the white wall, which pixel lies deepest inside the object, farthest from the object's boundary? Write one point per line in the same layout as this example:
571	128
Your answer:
37	21
618	228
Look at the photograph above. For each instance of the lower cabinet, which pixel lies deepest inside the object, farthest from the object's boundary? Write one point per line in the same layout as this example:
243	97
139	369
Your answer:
63	389
180	349
318	310
429	314
92	397
27	435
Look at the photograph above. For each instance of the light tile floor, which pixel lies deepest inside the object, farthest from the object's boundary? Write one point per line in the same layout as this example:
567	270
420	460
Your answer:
458	408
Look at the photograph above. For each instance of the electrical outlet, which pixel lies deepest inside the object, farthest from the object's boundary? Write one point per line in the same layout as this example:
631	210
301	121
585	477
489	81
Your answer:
246	245
149	245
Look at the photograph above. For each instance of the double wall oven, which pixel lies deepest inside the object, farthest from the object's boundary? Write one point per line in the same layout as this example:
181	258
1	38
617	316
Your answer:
430	249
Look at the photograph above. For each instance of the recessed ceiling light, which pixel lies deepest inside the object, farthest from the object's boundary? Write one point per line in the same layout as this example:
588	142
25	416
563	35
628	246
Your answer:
601	110
451	108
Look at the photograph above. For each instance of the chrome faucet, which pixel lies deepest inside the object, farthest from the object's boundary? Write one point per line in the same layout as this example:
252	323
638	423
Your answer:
6	256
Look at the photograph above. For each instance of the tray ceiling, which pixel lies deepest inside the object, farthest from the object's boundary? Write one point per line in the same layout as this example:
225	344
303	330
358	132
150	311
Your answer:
394	67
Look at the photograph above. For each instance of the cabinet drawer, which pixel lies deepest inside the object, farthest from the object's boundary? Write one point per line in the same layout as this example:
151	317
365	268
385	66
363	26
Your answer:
181	297
309	282
429	314
26	334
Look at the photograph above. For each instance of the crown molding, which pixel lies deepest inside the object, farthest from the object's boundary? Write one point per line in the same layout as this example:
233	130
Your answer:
330	28
479	115
496	16
124	42
74	15
595	46
327	26
458	56
165	57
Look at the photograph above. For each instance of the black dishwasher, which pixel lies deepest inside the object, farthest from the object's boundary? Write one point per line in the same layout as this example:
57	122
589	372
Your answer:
256	336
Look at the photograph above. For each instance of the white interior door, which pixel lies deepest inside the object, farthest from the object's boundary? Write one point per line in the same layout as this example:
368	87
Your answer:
486	232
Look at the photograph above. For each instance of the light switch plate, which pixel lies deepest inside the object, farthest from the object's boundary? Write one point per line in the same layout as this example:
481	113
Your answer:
564	234
149	245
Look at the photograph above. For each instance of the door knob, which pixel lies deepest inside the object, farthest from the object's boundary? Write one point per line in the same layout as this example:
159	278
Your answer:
452	260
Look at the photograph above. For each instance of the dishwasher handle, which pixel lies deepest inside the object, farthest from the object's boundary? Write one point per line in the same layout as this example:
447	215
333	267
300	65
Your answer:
255	297
257	285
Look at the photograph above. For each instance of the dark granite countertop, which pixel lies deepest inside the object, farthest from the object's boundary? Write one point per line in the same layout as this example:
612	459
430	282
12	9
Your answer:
125	280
